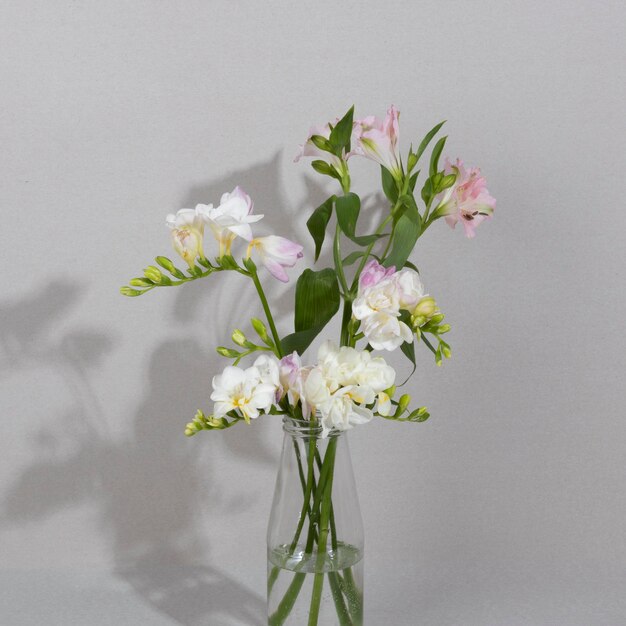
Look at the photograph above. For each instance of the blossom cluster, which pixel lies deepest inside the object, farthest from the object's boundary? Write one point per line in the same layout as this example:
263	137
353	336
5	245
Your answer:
345	388
230	219
466	200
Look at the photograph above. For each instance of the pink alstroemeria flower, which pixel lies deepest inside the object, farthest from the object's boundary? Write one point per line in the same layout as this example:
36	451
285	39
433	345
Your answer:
468	200
276	253
373	273
309	149
378	139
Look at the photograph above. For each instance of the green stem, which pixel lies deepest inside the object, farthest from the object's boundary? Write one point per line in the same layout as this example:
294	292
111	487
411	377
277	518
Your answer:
268	313
338	264
318	582
307	493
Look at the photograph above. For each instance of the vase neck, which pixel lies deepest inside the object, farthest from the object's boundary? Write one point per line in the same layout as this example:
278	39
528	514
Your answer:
301	428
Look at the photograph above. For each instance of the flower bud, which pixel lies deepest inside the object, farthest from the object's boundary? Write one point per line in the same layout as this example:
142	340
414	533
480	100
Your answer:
227	352
403	403
239	338
411	162
426	308
153	273
444	328
446	351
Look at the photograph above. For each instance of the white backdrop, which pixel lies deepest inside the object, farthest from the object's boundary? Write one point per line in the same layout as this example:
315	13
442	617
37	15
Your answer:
508	506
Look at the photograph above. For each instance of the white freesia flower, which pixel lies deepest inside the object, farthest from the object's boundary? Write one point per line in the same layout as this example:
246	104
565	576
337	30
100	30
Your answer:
268	367
187	231
242	390
410	288
343	409
379	302
230	219
342	385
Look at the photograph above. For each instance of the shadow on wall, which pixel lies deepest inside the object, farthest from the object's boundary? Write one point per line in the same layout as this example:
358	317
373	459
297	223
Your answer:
148	485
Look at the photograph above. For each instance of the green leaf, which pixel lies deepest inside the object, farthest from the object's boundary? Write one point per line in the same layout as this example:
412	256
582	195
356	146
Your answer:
317	301
317	298
434	157
366	240
355	256
389	185
348	208
427	139
412	266
318	222
406	233
413	180
340	135
408	349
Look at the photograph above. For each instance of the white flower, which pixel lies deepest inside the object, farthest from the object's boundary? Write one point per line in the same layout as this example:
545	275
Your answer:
187	231
383	406
378	307
230	219
343	384
243	390
410	288
267	365
344	409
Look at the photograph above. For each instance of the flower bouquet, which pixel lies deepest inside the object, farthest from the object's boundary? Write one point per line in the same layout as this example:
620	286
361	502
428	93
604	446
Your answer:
315	537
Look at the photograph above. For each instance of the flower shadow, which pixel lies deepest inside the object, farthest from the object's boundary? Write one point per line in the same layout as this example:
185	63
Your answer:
148	484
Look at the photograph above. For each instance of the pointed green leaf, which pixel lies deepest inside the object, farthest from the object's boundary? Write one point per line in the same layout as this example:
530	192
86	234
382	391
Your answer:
340	135
317	301
427	139
317	224
389	185
348	208
406	233
434	157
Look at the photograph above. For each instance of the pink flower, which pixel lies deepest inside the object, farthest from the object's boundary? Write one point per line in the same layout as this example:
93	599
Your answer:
309	149
276	253
373	273
378	139
468	200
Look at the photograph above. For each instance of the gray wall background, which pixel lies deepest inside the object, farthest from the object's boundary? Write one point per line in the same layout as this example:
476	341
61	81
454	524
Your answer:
507	508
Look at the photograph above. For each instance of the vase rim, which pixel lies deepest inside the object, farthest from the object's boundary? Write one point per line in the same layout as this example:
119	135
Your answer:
306	428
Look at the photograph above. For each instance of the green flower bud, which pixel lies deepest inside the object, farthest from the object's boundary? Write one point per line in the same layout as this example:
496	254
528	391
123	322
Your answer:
411	161
426	308
131	293
140	282
444	328
153	273
435	319
239	338
446	351
403	403
227	352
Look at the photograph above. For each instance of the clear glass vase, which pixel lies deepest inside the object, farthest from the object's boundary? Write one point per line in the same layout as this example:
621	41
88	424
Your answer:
315	532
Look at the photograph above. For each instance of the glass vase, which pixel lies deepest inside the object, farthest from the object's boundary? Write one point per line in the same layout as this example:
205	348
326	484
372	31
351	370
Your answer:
315	532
